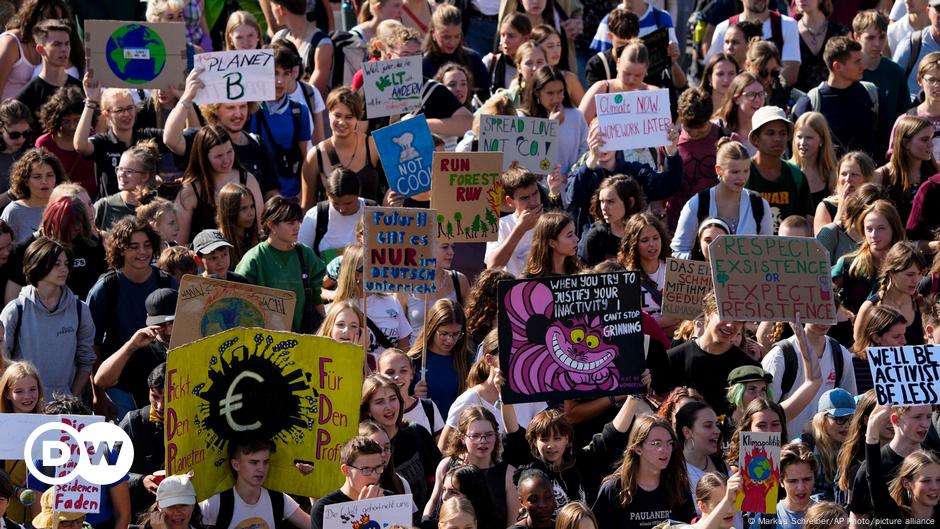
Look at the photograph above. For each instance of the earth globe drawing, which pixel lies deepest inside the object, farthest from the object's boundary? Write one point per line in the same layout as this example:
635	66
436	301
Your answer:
759	470
228	313
135	53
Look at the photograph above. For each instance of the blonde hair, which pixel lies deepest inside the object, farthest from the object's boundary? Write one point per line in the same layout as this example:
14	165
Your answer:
863	264
155	8
827	448
326	328
826	158
824	514
454	507
347	285
572	514
13	373
240	18
913	464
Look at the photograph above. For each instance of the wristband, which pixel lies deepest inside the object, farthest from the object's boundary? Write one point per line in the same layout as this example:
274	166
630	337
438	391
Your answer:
92	104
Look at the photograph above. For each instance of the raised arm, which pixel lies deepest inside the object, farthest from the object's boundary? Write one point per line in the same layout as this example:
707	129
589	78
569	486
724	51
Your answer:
804	395
176	121
81	141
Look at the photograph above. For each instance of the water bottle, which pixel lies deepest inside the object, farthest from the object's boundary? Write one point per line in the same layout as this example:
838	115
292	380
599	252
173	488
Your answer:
347	15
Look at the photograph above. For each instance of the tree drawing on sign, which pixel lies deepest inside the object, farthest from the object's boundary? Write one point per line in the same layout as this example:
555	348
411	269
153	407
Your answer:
440	226
477	226
458	216
492	220
450	229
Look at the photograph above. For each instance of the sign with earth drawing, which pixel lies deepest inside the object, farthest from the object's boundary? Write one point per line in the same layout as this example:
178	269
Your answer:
300	392
209	306
467	195
123	54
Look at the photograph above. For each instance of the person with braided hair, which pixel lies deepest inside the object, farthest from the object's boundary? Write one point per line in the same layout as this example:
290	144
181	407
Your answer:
900	272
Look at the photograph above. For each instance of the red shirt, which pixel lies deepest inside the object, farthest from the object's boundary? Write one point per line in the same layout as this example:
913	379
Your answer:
77	168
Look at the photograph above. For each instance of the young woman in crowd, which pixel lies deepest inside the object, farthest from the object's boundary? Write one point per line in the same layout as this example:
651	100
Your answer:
815	31
537	501
450	284
476	441
853	170
348	147
344	322
445	44
457	513
481	306
575	515
842	237
696	427
644	250
632	65
852	450
898	276
911	162
441	346
545	97
212	164
815	155
884	326
373	12
242	32
745	95
330	226
528	59
160	213
717	77
390	480
59	118
136	178
513	31
467	482
549	39
828	431
20	392
458	79
928	69
236	216
616	200
396	365
15	129
744	211
737	37
709	230
715	497
651	483
413	450
554	247
32	179
761	415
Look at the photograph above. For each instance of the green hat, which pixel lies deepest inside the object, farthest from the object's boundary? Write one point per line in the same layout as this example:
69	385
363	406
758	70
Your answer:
748	374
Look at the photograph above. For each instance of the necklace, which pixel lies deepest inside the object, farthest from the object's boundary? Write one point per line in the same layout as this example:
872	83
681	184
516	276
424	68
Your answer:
821	31
351	158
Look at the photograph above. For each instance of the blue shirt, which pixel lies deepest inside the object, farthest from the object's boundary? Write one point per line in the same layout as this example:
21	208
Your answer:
280	119
442	380
653	19
903	53
129	314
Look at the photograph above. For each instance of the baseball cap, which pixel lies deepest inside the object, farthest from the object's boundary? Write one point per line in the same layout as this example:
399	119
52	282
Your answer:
765	115
161	306
748	374
207	241
837	403
48	517
176	490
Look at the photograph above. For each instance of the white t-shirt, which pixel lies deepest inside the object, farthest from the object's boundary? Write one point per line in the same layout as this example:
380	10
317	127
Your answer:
247	516
773	363
517	260
471	397
417	415
791	38
340	233
898	31
487	7
389	316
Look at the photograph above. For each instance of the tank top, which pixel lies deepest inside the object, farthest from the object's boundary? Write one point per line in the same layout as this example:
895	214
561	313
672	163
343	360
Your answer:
368	176
204	212
20	75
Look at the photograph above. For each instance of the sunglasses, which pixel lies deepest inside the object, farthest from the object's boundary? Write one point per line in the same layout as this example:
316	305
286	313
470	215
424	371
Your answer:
764	73
15	134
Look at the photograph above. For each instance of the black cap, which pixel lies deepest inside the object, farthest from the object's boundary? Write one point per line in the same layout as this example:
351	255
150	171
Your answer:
748	374
161	306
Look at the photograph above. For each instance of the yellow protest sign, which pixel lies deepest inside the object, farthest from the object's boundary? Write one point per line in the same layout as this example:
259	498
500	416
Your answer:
299	391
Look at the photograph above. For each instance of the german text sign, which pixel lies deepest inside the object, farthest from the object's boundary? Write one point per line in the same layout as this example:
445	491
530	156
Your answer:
399	246
687	282
906	376
762	278
299	391
532	142
376	512
759	461
236	76
392	86
405	149
634	120
570	337
467	195
125	54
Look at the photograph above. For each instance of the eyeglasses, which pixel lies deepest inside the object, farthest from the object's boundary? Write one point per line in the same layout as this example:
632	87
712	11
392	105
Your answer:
122	110
16	134
841	421
754	95
127	171
482	437
369	471
932	81
660	445
764	73
452	335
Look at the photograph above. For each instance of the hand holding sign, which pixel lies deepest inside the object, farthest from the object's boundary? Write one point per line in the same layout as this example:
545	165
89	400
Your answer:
236	76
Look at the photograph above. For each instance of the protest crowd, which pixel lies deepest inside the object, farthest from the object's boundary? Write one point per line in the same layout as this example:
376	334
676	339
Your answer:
568	143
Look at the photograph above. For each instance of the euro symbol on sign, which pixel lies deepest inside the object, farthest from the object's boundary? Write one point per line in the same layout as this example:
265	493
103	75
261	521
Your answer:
233	403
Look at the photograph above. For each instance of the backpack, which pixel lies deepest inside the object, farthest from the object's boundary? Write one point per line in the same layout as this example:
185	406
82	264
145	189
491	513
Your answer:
19	323
287	161
227	508
790	363
872	90
323	222
917	39
428	406
111	286
776	28
344	65
757	206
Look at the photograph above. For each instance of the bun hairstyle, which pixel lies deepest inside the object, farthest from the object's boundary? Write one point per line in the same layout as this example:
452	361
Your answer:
729	150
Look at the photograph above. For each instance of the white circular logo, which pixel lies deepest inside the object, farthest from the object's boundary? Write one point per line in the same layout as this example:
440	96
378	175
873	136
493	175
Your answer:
101	437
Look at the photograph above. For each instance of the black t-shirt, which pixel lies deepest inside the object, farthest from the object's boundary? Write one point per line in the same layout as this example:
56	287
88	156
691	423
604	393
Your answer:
851	116
594	71
316	512
438	103
88	263
647	509
691	366
481	78
133	378
860	503
36	92
416	458
107	154
598	244
251	155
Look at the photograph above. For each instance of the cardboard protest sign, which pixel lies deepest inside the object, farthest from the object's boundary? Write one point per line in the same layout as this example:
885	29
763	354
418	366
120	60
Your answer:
236	76
762	278
367	514
399	250
299	391
634	120
657	45
686	284
467	195
76	495
405	149
125	54
532	142
906	376
392	86
570	337
759	461
208	306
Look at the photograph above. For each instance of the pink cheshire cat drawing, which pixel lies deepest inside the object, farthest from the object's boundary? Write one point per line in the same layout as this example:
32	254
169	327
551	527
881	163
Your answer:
555	354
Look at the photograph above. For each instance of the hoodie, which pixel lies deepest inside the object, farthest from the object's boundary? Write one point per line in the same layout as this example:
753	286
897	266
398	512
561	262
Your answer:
55	341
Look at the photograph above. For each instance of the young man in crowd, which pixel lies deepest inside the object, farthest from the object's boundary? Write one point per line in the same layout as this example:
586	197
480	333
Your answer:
213	255
52	44
797	477
318	65
144	426
521	193
362	467
248	499
914	48
622	26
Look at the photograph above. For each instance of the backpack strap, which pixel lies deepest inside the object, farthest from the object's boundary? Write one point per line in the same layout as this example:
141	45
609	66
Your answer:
917	38
308	321
603	58
813	96
323	224
226	509
789	366
16	329
872	95
277	508
380	337
428	407
757	209
455	279
838	362
311	63
111	285
704	204
776	30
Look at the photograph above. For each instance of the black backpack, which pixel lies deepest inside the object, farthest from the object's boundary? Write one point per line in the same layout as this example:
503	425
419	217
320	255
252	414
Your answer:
790	363
757	206
111	286
323	222
341	40
227	509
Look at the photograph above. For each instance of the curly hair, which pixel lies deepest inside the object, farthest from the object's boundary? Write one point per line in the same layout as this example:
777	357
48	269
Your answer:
630	246
120	239
481	302
19	173
66	101
627	189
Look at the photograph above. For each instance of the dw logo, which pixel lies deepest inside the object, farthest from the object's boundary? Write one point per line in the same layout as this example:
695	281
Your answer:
102	437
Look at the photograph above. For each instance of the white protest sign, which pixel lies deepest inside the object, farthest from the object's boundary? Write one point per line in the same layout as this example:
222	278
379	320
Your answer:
906	376
236	76
393	86
377	512
634	120
532	142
